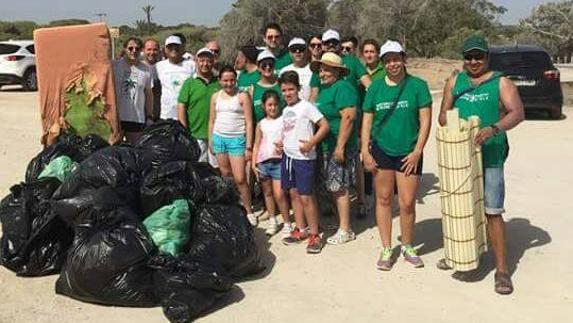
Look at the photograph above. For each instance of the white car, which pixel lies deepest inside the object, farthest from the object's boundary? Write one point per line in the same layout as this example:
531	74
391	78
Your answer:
18	64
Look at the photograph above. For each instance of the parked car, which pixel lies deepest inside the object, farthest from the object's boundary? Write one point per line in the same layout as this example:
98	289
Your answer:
533	72
18	64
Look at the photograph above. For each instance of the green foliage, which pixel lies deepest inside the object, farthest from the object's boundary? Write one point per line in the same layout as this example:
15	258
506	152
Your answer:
68	22
17	30
84	114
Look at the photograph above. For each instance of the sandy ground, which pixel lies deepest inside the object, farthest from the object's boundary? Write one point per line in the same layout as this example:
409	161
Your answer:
342	284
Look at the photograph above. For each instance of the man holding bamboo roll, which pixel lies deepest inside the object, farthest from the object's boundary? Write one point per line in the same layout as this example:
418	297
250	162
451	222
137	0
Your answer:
495	100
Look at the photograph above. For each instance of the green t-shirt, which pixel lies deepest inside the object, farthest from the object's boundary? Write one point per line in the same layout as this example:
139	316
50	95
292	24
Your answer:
196	95
377	73
357	70
282	59
246	79
399	135
258	91
330	102
484	103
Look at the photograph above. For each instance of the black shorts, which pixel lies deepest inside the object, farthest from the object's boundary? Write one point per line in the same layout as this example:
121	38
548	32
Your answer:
129	126
384	161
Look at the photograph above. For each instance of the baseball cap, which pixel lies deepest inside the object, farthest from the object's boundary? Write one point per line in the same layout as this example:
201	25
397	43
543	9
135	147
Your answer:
265	54
173	40
205	51
330	34
297	42
475	42
391	46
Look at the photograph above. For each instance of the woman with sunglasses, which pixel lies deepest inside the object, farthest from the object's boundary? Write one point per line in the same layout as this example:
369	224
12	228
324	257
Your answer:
315	47
268	81
395	128
133	91
309	85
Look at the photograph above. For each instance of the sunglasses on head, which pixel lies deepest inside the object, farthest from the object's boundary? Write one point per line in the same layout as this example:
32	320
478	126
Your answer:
315	45
267	65
297	50
133	49
477	57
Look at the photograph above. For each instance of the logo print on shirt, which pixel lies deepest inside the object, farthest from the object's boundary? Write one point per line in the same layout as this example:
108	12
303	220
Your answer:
289	121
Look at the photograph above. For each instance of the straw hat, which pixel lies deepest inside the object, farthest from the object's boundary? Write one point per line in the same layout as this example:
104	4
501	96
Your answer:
332	60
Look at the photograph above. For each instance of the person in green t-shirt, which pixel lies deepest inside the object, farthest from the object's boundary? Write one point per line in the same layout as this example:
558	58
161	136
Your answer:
482	92
337	101
273	37
396	125
249	75
370	55
268	81
194	102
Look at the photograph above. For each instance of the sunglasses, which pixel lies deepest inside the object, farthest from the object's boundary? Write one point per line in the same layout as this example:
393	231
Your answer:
273	37
315	45
331	43
216	51
297	50
346	49
477	57
267	65
133	49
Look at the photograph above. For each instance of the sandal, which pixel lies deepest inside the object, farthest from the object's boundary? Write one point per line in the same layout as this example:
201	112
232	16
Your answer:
503	284
443	265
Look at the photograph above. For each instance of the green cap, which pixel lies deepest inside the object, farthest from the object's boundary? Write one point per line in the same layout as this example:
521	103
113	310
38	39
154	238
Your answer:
475	42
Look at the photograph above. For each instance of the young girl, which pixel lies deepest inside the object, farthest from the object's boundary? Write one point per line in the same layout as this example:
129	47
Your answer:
300	118
231	133
267	162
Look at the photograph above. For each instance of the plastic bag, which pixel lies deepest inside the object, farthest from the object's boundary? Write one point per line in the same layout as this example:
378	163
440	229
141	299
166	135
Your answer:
168	182
170	227
222	235
59	168
219	190
167	141
188	288
34	240
107	263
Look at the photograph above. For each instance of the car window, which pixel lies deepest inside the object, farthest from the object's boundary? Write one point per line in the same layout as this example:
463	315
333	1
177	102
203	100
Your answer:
31	49
502	61
8	49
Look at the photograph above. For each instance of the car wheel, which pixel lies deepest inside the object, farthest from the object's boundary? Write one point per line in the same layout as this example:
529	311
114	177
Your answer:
556	112
30	82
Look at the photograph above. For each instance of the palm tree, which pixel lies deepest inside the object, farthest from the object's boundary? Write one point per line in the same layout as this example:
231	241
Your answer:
148	9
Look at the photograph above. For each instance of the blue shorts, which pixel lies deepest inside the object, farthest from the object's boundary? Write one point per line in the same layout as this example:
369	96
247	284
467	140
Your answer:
494	191
297	173
270	169
234	146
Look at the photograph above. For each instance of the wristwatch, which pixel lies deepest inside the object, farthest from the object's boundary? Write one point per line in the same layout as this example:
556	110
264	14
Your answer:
495	129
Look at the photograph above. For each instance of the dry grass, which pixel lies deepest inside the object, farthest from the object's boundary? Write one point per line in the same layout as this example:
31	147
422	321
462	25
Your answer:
434	70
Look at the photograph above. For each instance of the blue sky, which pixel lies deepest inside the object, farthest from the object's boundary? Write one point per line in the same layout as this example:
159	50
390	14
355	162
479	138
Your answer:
167	12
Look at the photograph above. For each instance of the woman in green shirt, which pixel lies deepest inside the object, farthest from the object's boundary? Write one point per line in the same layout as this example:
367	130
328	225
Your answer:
337	101
268	81
396	125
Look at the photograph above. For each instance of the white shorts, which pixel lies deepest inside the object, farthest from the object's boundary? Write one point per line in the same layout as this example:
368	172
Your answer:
206	155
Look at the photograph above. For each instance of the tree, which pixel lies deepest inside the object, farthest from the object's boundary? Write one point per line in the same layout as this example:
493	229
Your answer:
148	9
68	22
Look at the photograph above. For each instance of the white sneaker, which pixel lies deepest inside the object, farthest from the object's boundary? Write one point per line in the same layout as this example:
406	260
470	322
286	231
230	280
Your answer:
252	219
286	230
341	237
272	226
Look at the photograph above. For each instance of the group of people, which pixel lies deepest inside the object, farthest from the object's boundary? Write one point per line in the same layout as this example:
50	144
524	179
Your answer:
323	107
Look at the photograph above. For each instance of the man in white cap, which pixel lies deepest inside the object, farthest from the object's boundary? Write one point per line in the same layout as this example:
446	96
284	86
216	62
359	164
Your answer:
172	72
272	36
297	49
194	102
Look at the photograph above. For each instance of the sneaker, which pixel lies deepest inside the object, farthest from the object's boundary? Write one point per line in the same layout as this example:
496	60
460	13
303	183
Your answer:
385	262
411	255
286	230
252	219
296	236
341	237
272	226
314	244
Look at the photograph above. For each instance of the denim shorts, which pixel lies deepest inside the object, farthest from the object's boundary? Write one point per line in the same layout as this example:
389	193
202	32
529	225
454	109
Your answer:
299	174
270	169
494	191
234	146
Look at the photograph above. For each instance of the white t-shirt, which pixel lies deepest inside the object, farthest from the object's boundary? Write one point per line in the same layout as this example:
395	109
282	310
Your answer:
304	76
298	124
172	77
272	131
130	84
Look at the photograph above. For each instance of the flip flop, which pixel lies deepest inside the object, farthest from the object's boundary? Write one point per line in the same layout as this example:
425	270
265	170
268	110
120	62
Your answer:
503	284
443	265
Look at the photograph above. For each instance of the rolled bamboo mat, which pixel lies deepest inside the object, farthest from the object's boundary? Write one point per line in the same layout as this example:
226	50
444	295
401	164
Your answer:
461	192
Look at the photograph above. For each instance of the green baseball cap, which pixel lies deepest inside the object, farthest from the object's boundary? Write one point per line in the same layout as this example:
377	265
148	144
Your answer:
475	42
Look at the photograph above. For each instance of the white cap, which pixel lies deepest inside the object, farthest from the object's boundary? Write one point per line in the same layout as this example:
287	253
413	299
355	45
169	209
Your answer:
296	42
330	35
391	46
173	40
205	50
264	55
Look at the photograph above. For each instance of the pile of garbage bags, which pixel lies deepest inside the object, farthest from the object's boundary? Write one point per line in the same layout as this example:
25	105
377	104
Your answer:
137	226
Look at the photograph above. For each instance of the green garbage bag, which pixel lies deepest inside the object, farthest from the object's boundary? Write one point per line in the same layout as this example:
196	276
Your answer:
170	227
59	168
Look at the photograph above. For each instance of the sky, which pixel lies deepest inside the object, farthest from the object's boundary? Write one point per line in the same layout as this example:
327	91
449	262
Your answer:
167	12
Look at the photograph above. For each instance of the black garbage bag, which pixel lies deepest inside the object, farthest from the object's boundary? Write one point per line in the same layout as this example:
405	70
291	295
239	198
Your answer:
188	288
67	144
116	167
222	235
169	182
167	141
34	240
220	190
205	170
107	263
